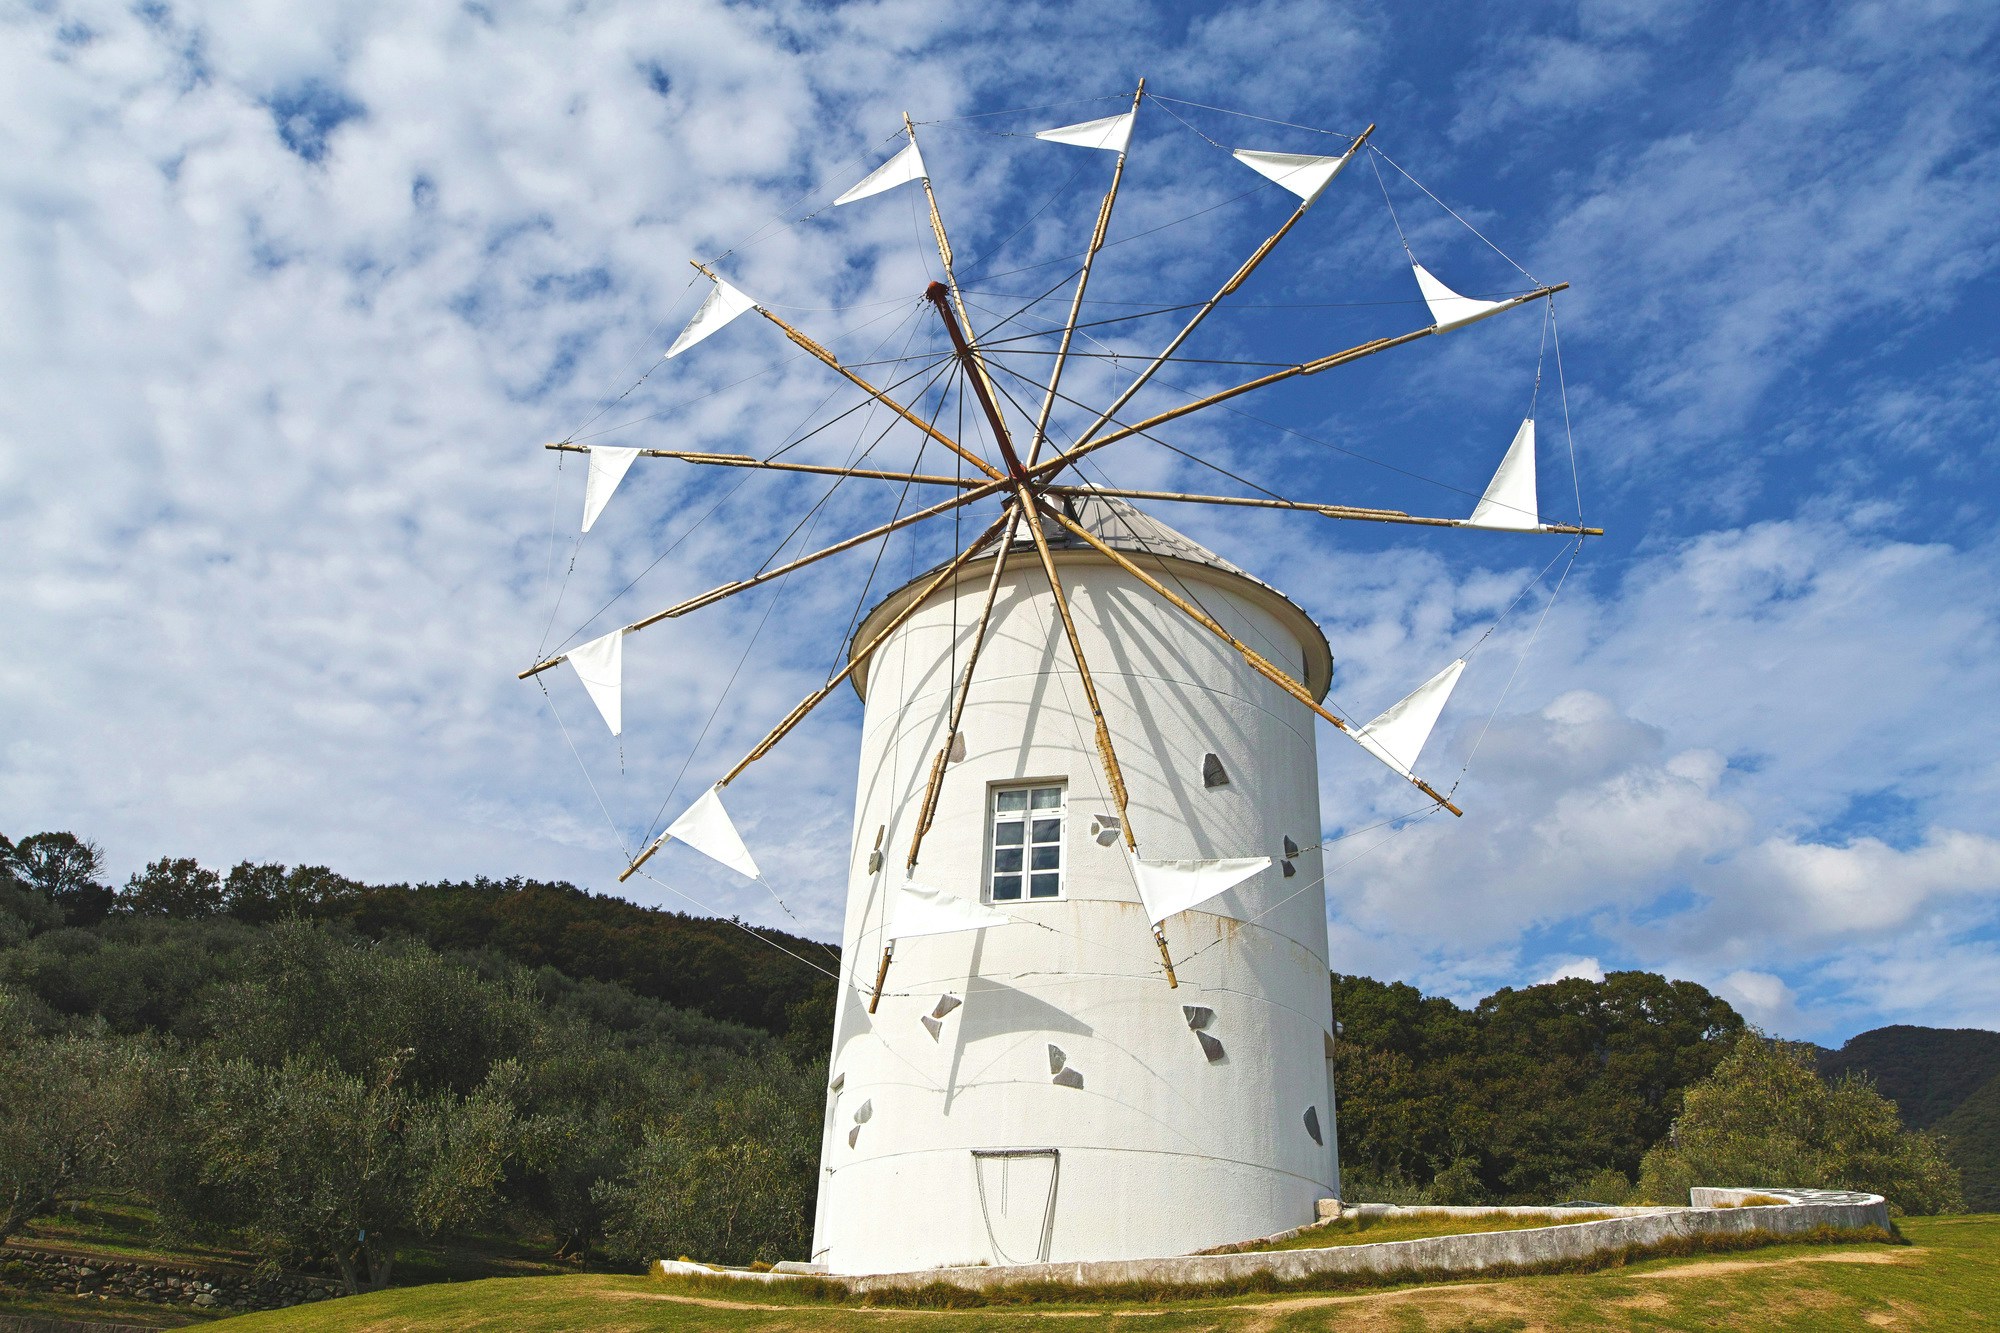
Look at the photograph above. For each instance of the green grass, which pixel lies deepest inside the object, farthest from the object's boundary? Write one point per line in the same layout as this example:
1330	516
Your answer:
1367	1230
1947	1278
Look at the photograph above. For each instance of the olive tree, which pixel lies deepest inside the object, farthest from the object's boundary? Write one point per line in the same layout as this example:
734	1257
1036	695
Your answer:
1765	1117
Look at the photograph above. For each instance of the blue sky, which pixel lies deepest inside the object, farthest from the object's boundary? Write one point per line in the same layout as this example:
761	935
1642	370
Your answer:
294	298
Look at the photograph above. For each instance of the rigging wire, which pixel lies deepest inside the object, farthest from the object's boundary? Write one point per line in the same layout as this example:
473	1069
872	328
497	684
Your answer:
1447	208
1310	129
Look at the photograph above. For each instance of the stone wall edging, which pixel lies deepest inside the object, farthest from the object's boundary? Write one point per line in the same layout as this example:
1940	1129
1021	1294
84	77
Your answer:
184	1285
1474	1253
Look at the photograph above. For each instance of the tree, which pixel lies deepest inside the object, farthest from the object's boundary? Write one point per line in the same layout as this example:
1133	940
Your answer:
174	886
311	1163
263	892
1765	1118
71	1115
731	1179
24	909
65	868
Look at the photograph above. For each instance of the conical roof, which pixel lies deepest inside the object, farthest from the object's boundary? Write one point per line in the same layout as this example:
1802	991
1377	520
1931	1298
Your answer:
1154	546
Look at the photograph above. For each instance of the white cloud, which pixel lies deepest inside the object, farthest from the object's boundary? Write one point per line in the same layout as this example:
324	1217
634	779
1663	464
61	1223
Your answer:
1587	969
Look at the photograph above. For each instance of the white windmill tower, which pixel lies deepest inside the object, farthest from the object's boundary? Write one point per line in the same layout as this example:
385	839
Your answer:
1084	1010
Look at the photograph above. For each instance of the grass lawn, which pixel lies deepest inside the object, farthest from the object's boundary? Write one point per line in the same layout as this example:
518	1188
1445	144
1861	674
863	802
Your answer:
1947	1278
1366	1230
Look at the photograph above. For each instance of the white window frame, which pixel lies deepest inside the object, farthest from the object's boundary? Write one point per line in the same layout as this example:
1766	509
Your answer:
997	819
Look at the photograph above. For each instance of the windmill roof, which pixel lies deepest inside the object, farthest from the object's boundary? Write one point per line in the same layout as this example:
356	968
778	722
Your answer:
1125	527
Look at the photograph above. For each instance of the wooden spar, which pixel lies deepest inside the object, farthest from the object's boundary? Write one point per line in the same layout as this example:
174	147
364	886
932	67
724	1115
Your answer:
881	975
1076	300
1166	959
1236	280
1025	497
716	594
864	652
978	363
828	358
936	294
1054	465
817	697
1261	665
1108	755
1329	511
824	470
928	811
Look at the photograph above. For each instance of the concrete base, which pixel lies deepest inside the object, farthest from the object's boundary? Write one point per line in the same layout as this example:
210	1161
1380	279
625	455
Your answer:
1717	1213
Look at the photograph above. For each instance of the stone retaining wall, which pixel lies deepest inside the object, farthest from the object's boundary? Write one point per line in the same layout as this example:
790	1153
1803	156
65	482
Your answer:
157	1284
1718	1214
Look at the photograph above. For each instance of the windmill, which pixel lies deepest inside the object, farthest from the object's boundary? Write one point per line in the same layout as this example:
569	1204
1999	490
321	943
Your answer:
1087	827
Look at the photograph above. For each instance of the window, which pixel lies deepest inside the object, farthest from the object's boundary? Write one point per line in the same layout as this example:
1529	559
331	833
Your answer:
1026	852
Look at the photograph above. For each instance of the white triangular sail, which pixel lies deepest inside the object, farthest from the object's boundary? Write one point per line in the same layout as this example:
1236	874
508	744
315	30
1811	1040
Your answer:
1449	310
1509	503
905	166
1397	737
1111	133
705	827
1301	173
607	468
600	665
926	911
1167	887
723	304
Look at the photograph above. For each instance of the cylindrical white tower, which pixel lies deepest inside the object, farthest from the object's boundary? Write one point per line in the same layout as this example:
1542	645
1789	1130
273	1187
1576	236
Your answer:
1035	1090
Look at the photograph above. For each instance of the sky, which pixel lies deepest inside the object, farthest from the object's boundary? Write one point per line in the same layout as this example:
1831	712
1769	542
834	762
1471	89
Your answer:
293	296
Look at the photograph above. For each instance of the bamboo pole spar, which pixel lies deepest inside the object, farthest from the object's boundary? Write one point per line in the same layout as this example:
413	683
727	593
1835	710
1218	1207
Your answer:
817	697
978	363
832	361
1042	471
1076	300
961	692
769	464
1025	497
1262	666
881	975
1236	280
716	594
1328	511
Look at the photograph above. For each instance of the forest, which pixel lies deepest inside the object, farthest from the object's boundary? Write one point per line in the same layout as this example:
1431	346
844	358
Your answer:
326	1073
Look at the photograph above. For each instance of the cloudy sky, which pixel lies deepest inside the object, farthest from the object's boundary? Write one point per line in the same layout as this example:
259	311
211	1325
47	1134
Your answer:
294	294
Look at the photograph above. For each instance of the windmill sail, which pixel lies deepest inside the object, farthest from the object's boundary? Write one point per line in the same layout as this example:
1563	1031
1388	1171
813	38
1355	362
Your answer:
724	303
607	468
927	911
1111	133
1397	737
600	665
705	826
1167	887
905	166
1509	503
1301	173
1449	310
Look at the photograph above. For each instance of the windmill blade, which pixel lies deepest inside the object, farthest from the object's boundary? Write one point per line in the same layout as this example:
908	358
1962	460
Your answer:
600	665
706	827
1397	736
608	465
926	911
1168	887
1509	504
1111	133
1302	173
904	167
1448	308
724	303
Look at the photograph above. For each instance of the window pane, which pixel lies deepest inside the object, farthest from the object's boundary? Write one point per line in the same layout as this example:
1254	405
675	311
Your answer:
1047	858
1007	858
1044	886
1048	798
1006	887
1048	830
1007	832
1010	800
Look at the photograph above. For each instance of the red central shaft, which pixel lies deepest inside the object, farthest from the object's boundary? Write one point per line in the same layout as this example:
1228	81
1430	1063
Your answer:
940	296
